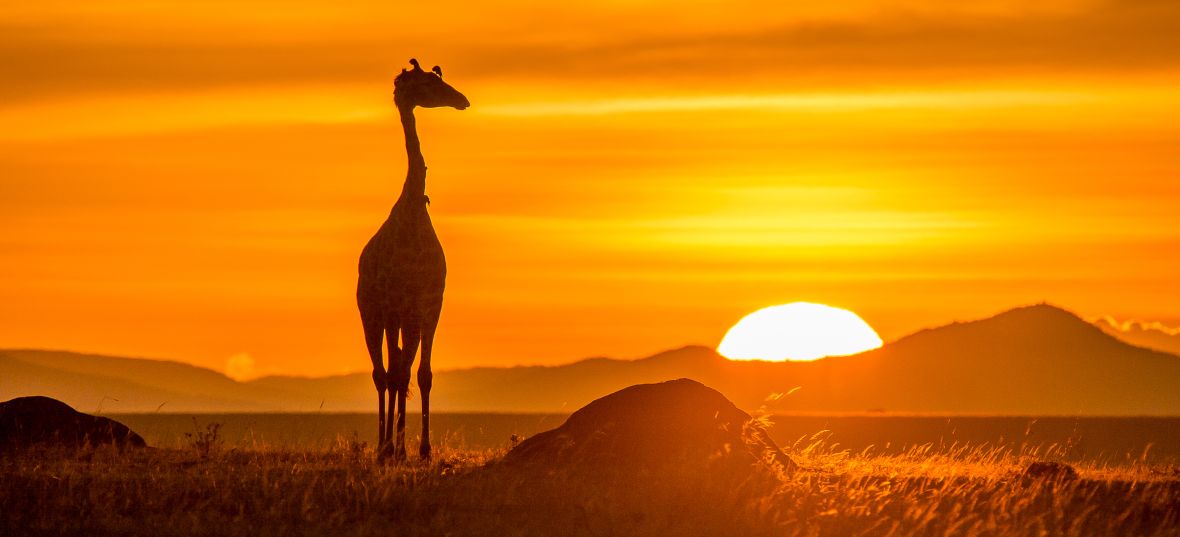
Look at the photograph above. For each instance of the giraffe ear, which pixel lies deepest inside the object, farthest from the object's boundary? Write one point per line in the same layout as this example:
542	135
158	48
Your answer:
437	70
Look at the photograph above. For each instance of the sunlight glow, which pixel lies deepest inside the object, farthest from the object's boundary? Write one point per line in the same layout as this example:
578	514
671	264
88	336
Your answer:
800	331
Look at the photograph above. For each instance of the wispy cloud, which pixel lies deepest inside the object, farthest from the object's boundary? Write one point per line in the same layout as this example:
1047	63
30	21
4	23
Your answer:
113	115
809	102
1135	325
64	51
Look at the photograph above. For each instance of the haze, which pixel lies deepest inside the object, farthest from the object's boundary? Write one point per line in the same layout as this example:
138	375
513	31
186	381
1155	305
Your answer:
196	182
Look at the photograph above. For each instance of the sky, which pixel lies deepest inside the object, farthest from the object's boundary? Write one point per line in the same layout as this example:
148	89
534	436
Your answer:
195	180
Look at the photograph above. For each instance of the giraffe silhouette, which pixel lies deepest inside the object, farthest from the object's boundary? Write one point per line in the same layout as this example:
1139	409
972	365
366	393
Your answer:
403	273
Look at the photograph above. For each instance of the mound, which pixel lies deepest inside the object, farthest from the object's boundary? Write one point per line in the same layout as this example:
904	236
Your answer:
660	459
678	425
29	421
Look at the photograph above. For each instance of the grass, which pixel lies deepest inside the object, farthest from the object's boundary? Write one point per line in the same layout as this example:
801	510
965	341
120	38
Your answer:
208	490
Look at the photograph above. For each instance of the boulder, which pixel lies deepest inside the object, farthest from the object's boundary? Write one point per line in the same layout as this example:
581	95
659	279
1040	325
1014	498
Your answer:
660	459
679	425
43	421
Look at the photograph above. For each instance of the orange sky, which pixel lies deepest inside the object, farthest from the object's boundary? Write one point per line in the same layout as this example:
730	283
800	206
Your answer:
196	181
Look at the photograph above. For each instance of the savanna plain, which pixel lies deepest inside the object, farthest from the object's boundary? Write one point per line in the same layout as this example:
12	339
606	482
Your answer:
237	475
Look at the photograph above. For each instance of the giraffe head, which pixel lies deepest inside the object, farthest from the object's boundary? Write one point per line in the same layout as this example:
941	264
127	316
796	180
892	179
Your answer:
416	87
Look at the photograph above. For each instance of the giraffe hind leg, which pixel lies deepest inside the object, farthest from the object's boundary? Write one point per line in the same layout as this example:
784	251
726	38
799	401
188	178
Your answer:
374	327
394	352
411	335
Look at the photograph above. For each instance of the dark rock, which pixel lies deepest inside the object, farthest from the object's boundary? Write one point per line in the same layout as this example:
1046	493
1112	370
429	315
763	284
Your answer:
42	421
675	425
1050	470
675	451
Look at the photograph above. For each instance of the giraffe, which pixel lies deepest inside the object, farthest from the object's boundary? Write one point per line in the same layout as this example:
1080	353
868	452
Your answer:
403	273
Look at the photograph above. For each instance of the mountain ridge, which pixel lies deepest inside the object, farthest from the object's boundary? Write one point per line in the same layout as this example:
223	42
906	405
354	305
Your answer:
1037	359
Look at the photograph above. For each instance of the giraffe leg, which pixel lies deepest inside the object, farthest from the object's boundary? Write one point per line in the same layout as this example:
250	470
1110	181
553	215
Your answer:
392	330
411	335
425	379
380	420
374	331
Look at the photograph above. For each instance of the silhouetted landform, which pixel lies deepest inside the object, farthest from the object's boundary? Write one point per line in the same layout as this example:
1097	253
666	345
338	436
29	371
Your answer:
678	425
100	384
1155	336
676	443
42	421
1034	360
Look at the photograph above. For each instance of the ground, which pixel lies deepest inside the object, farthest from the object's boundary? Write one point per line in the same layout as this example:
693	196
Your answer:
207	489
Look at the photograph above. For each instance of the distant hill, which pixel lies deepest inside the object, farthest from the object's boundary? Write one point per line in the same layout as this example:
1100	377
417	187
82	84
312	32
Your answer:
90	383
1030	360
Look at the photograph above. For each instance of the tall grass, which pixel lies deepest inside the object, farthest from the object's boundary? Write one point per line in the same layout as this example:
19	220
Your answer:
955	490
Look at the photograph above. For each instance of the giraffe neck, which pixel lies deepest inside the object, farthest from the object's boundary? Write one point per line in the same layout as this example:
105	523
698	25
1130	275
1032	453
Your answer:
414	190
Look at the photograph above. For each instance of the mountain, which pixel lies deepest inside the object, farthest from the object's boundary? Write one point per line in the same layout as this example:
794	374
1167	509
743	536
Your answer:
1030	360
114	384
92	383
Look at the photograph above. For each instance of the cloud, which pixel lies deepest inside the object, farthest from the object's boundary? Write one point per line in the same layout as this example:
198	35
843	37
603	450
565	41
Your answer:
170	112
1134	325
44	64
1150	334
875	48
55	57
809	102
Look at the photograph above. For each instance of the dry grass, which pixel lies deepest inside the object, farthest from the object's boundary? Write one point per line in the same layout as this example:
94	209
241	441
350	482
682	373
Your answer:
965	490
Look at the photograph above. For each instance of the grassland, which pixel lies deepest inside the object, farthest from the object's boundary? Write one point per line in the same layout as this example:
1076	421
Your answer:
1109	440
207	488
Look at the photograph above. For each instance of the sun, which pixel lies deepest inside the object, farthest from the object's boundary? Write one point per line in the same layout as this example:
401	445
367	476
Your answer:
799	331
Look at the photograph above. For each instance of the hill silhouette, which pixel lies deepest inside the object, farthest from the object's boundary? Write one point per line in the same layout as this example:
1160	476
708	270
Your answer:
95	383
1037	359
1031	360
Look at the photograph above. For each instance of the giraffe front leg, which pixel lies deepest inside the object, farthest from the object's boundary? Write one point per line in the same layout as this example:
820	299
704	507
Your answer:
425	380
379	380
410	340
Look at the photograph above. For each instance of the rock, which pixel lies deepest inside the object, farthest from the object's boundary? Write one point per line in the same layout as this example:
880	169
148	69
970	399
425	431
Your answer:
669	458
43	421
680	425
1050	470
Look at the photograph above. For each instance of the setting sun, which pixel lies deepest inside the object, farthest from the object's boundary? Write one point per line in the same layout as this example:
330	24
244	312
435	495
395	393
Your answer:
799	331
